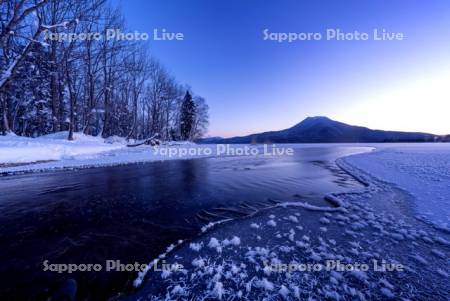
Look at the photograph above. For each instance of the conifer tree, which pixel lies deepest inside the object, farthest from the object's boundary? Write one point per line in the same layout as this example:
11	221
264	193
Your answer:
187	116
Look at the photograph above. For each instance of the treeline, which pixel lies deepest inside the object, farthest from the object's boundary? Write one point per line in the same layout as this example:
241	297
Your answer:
50	82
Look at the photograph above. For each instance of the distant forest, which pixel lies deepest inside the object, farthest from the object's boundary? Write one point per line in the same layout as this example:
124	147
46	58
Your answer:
97	86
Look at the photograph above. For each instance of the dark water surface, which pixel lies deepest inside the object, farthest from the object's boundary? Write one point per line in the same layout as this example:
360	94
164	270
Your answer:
132	213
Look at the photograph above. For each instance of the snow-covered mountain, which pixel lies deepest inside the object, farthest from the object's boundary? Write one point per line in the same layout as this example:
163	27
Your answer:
323	129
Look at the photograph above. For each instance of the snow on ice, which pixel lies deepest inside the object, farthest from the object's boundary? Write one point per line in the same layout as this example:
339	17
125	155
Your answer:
423	170
236	265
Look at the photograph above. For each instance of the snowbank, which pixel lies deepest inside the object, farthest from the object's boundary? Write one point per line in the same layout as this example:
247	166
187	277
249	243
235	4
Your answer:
16	149
54	151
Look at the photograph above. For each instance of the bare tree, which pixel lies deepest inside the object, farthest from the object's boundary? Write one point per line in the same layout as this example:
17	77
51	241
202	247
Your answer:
106	87
201	119
137	75
16	31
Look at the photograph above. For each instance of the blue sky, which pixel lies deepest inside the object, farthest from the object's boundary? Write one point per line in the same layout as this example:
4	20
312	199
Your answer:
254	85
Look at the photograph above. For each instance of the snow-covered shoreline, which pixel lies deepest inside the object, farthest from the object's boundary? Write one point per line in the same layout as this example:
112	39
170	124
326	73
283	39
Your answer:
364	225
234	261
369	225
54	152
21	150
19	155
423	171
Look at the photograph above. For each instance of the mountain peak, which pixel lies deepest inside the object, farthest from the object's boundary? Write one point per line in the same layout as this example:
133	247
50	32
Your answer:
321	129
317	118
309	122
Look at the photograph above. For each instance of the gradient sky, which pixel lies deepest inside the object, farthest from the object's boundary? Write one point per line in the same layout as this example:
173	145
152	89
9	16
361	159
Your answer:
254	85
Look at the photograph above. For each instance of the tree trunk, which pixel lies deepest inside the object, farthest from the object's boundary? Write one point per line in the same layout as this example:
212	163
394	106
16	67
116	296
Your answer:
6	128
71	104
54	93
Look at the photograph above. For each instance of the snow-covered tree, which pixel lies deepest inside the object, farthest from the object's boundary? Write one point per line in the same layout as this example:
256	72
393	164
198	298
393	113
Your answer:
98	86
201	118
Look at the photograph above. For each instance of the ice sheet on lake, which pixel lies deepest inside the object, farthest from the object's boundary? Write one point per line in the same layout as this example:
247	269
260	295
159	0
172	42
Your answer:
423	170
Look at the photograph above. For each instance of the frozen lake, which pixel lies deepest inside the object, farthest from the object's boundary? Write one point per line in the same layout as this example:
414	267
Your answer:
132	213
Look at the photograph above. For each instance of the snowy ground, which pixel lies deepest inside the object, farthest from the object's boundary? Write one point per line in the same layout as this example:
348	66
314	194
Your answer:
18	150
246	259
54	151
